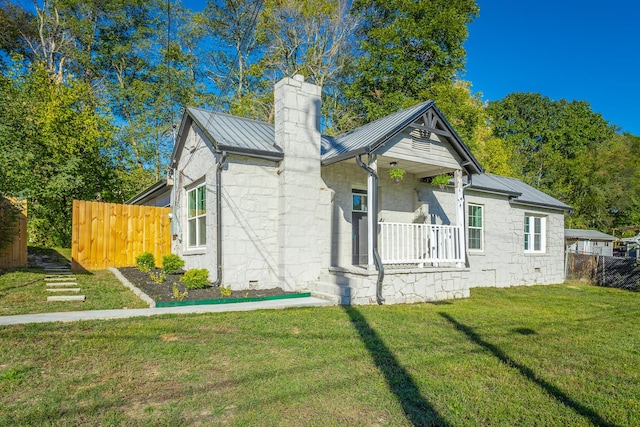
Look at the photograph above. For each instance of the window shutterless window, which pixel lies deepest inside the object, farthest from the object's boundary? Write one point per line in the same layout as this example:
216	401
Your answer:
475	227
359	199
197	216
534	233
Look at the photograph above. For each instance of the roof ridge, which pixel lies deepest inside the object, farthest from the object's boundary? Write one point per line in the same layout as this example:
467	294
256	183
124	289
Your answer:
384	118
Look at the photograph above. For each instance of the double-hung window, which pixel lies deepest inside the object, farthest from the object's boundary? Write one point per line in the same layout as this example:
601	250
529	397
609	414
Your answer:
197	216
475	228
534	233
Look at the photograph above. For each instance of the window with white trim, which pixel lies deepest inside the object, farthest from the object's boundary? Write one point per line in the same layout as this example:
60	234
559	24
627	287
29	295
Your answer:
475	228
535	233
197	216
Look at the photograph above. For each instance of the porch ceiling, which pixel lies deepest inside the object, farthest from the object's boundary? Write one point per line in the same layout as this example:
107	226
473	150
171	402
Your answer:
420	169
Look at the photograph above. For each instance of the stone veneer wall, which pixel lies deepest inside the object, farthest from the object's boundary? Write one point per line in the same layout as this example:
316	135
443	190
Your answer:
249	215
358	287
250	223
341	178
503	261
196	165
304	201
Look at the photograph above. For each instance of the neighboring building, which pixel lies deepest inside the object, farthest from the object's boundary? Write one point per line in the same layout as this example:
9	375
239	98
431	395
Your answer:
589	242
159	195
262	206
632	245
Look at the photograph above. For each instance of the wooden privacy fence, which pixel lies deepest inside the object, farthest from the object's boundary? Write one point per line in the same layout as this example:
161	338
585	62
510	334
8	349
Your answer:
112	235
15	255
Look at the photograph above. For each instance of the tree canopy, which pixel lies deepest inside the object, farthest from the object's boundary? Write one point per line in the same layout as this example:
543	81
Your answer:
91	93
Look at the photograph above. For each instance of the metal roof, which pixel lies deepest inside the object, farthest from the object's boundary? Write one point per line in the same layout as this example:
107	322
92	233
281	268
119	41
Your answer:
357	140
237	134
148	193
368	138
634	239
519	192
572	233
255	138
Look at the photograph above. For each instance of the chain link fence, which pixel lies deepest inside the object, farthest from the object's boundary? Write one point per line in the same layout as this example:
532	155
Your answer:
612	272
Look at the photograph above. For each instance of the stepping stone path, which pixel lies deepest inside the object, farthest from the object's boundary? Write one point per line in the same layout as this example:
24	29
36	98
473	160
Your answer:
60	279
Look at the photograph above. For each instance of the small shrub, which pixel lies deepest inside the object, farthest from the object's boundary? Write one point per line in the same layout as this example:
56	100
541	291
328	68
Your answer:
157	276
177	294
145	261
172	263
197	278
225	292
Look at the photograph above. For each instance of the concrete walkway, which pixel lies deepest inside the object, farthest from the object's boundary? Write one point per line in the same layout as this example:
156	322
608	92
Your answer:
72	316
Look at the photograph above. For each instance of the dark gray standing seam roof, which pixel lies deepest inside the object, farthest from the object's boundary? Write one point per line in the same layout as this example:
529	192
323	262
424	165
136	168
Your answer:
572	233
236	134
356	141
148	193
518	191
368	138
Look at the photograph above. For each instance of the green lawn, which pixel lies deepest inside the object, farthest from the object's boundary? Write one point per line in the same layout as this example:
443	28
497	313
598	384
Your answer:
24	291
544	355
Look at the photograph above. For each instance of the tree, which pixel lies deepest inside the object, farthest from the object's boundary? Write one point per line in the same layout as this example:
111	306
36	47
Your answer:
17	24
233	67
405	49
567	150
54	148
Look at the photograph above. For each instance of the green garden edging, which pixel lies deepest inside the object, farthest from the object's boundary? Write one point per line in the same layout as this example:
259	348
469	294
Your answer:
160	304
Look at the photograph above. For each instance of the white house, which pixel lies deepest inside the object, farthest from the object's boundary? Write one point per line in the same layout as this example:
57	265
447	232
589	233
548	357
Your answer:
589	242
264	205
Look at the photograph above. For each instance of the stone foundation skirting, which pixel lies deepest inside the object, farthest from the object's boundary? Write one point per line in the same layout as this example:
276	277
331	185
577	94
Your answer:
358	286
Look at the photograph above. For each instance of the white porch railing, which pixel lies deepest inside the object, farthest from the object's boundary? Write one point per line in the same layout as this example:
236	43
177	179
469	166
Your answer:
401	243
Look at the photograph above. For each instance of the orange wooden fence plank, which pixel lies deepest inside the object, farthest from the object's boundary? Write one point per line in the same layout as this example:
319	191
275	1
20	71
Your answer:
108	234
15	255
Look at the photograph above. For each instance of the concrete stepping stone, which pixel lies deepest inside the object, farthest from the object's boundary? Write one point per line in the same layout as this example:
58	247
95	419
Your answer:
60	273
59	279
58	284
63	290
66	298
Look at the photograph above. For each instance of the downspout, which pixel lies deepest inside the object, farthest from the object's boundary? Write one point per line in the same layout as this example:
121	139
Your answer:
464	218
374	214
219	166
175	224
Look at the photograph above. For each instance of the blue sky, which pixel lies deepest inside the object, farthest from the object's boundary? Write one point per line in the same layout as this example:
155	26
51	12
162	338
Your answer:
583	50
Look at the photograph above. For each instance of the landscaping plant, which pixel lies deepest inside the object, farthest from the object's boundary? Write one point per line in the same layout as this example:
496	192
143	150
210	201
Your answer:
172	264
197	278
179	295
157	276
145	262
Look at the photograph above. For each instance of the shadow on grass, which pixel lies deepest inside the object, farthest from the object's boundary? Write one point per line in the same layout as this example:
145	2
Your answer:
54	256
51	254
416	408
20	285
528	373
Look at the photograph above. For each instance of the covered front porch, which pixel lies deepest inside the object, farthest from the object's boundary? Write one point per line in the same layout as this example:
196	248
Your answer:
405	235
416	224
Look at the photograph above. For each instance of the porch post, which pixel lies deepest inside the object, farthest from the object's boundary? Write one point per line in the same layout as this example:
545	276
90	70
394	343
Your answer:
372	227
460	217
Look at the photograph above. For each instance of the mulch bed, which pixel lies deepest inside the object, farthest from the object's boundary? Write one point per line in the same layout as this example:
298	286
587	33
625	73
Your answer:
164	291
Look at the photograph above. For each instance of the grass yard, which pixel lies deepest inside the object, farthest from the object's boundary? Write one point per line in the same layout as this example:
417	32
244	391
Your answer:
560	355
24	292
